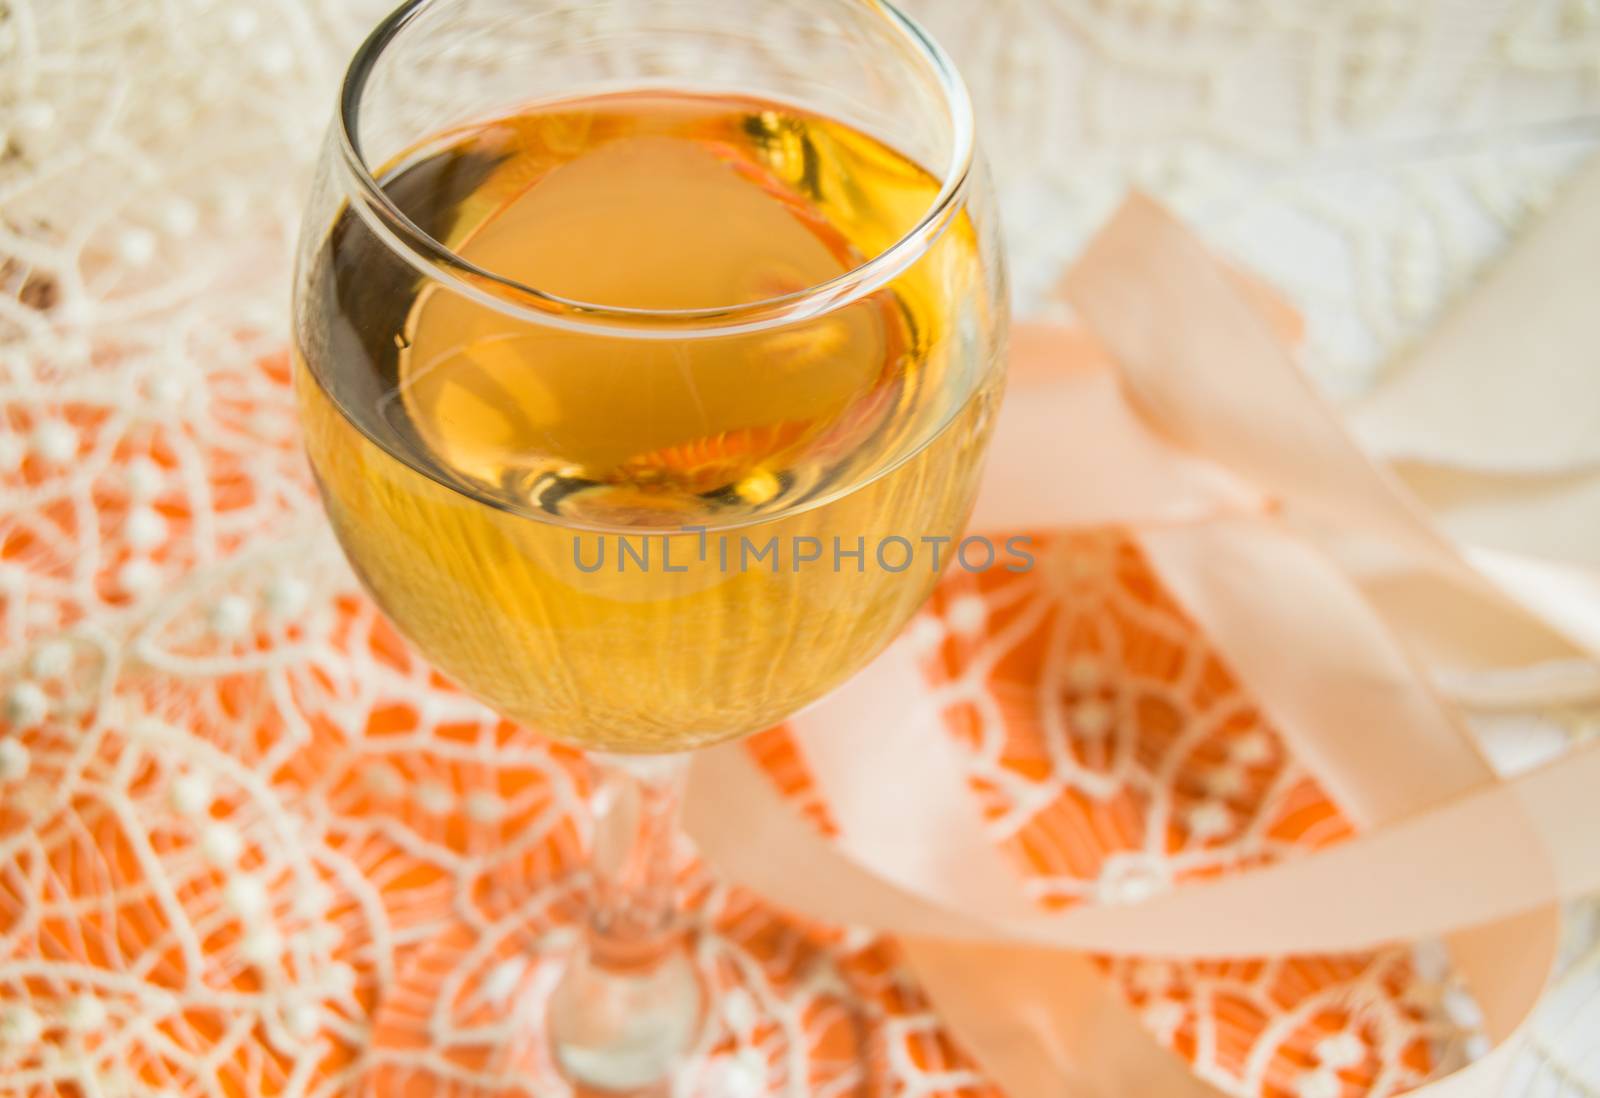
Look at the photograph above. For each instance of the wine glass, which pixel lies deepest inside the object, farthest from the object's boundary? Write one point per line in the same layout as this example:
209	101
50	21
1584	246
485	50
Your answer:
646	353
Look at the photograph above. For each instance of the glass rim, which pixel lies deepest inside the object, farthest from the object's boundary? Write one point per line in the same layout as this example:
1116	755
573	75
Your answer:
437	261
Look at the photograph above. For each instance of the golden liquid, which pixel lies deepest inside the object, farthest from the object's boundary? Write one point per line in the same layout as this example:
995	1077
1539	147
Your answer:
474	465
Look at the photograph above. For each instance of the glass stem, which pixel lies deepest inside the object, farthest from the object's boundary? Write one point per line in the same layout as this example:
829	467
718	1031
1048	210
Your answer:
633	905
629	1004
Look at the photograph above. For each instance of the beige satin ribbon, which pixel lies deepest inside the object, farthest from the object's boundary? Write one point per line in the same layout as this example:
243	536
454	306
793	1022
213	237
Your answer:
1258	513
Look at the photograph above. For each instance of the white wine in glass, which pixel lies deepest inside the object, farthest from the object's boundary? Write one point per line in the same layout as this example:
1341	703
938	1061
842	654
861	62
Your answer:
517	497
648	409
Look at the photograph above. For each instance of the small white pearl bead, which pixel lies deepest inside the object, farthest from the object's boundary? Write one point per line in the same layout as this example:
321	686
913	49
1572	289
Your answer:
14	760
558	939
738	1009
166	390
12	451
381	779
1224	781
230	617
967	614
501	981
190	794
1123	883
312	900
246	895
138	577
1251	749
925	634
485	808
303	1021
434	798
1341	1050
159	1002
743	1076
1318	1084
137	246
1091	719
261	946
340	979
179	217
286	596
51	660
145	528
1209	819
221	844
26	705
54	441
83	1013
20	1026
143	477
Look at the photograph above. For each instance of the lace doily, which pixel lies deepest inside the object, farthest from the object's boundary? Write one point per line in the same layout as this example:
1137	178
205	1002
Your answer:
233	805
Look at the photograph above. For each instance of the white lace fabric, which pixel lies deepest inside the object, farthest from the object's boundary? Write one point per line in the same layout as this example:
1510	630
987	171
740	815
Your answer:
197	888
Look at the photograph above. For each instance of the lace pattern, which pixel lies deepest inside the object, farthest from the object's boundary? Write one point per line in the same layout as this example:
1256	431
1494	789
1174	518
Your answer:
233	807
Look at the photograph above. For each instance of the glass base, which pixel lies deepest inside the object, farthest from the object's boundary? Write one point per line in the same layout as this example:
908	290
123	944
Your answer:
468	1017
623	1026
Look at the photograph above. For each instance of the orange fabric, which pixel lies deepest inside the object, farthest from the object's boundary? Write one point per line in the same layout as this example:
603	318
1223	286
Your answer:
369	726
